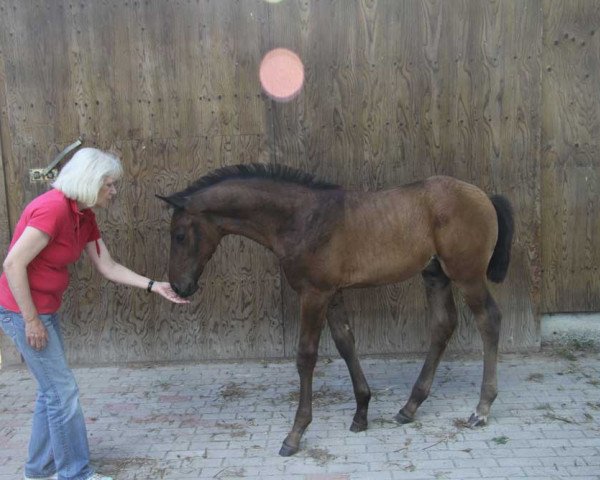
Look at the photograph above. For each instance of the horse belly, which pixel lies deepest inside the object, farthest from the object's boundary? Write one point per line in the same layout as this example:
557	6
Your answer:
382	268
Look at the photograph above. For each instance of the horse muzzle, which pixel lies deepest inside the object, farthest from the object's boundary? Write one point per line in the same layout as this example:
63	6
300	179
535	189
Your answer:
186	291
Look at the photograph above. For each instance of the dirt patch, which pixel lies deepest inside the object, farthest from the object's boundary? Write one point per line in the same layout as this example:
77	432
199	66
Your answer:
560	418
236	430
320	455
231	472
150	466
385	422
593	405
232	391
535	377
571	348
323	396
460	423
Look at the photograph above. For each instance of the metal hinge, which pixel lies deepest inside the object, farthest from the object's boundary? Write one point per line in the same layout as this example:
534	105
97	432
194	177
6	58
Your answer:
49	174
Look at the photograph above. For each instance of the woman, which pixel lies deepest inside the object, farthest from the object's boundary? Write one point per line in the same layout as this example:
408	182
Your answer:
52	232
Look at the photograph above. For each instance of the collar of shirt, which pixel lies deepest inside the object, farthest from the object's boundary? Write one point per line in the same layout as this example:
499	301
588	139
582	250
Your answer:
81	216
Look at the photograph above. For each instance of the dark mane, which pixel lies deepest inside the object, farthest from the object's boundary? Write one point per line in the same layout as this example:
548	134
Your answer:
276	172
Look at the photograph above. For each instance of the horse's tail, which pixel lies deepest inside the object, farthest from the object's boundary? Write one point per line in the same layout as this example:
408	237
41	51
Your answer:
498	265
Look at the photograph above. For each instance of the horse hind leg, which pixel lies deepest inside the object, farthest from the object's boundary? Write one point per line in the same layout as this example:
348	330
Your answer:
444	320
345	343
488	319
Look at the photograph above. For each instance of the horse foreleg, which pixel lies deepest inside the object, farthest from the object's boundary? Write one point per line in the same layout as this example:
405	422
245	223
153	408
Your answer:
444	319
313	306
488	319
344	341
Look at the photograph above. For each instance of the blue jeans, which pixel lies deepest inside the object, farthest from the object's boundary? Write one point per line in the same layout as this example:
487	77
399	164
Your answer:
58	435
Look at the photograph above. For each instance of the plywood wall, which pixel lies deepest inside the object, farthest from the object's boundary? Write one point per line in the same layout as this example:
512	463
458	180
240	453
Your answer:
570	160
404	90
394	91
8	354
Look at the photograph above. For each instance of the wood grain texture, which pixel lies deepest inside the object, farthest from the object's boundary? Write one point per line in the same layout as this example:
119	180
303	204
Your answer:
5	156
8	353
501	93
570	159
237	312
423	88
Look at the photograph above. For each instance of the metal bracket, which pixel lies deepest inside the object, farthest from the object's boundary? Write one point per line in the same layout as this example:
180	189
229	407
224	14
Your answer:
49	173
39	175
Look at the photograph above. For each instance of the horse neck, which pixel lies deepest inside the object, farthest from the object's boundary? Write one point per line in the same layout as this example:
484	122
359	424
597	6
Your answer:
261	210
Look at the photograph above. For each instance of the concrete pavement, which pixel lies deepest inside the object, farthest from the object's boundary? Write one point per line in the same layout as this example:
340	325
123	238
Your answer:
227	421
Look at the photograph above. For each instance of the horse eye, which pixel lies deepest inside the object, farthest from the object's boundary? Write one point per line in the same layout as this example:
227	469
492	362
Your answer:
180	237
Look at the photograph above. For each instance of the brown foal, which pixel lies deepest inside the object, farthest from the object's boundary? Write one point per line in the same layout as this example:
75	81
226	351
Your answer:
327	238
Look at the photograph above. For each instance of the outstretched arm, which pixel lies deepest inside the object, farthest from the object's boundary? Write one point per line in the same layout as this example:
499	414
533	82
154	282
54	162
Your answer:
115	272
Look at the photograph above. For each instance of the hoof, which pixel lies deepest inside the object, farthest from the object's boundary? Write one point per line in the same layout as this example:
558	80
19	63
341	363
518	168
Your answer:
358	426
402	418
476	421
286	450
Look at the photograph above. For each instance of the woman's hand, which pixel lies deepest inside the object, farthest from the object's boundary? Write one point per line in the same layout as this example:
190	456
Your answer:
116	272
164	289
36	333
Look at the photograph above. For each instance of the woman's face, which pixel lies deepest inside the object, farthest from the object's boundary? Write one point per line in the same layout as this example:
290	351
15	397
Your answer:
107	191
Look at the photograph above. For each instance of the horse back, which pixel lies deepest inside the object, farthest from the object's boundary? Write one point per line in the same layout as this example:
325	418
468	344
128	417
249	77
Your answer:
390	235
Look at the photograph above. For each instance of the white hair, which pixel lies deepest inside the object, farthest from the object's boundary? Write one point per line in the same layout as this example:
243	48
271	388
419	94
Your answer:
83	176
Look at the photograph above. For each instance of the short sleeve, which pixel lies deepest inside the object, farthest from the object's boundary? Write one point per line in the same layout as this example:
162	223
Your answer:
47	218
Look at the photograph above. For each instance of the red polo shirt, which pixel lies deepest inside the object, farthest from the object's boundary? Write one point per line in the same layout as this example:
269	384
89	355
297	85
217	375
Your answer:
69	230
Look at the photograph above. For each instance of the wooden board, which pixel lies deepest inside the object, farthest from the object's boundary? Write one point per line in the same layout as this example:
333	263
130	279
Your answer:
570	160
464	86
8	353
502	94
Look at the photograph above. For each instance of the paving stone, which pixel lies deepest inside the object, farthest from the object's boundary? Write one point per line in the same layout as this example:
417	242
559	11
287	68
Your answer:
227	420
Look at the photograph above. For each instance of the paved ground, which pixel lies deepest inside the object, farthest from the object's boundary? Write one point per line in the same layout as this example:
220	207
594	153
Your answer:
227	420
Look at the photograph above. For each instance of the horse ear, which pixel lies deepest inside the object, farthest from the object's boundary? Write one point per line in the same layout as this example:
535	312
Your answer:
177	202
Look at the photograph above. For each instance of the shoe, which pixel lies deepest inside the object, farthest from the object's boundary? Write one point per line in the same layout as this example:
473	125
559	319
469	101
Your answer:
52	477
97	476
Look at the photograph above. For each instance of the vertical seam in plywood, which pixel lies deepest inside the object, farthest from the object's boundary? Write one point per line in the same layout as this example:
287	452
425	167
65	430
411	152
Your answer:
273	158
541	305
537	300
4	134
